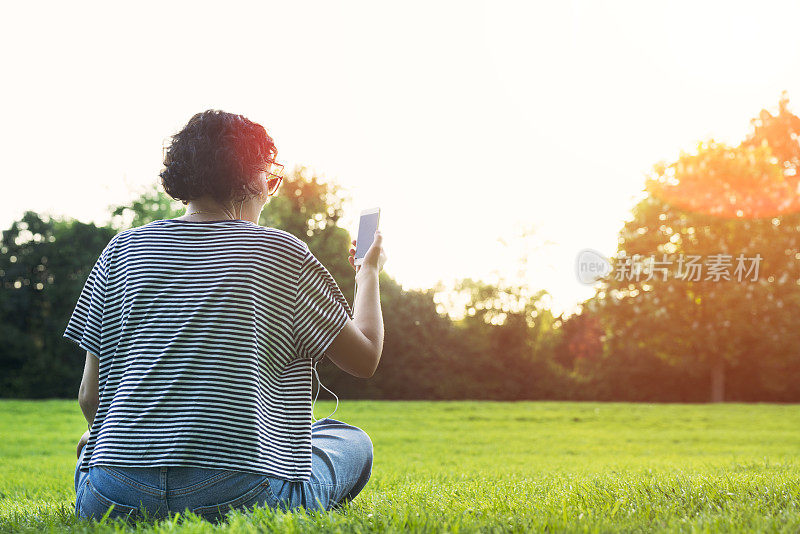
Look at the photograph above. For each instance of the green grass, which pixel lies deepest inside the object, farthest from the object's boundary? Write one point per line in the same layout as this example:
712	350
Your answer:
482	466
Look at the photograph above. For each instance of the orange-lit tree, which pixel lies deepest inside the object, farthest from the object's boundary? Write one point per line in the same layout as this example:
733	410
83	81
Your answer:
730	210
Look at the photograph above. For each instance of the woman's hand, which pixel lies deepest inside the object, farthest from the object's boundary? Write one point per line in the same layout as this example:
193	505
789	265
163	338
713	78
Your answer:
375	256
82	442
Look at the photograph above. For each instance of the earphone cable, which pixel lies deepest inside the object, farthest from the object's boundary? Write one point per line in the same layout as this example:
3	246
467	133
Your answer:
319	384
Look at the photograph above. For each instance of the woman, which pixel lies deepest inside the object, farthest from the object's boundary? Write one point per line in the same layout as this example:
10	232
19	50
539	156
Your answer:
201	332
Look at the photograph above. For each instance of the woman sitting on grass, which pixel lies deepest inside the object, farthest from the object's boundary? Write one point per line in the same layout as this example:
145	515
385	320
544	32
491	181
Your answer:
201	332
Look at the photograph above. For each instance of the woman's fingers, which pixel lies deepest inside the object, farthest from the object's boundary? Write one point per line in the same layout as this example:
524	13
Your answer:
351	257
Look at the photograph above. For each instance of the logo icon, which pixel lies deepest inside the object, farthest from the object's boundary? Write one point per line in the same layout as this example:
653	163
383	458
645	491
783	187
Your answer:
590	266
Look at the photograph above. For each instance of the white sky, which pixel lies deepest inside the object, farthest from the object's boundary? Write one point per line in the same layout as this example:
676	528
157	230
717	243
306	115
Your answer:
463	121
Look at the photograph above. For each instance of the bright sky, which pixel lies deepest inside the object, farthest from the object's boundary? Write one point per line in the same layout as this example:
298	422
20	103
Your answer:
465	122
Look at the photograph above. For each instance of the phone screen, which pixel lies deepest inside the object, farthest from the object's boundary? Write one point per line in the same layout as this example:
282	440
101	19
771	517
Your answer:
366	233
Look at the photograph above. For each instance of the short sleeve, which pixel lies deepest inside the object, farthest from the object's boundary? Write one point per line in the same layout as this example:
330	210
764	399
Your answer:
320	311
85	324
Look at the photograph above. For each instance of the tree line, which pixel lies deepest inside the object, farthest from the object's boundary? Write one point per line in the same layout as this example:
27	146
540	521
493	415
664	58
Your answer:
650	337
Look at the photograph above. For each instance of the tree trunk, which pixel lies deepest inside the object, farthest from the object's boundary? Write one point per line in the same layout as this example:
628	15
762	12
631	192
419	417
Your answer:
718	380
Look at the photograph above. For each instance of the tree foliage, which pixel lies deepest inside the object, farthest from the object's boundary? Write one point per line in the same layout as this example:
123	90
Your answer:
43	266
654	337
732	205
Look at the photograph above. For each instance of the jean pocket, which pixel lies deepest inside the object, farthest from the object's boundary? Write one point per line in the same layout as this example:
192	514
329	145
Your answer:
259	495
93	505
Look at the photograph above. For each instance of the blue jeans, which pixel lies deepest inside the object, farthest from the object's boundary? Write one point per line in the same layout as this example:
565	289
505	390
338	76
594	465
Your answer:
341	465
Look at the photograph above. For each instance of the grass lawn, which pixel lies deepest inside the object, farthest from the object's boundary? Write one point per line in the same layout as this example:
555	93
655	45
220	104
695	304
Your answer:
488	466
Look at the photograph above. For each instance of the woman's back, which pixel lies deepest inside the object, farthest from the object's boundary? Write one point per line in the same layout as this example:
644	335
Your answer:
206	332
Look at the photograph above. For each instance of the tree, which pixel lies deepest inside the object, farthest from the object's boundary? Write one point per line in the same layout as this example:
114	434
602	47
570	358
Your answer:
727	207
43	267
581	341
152	204
505	340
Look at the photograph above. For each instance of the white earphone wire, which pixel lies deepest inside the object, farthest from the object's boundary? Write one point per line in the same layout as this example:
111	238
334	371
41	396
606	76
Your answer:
319	384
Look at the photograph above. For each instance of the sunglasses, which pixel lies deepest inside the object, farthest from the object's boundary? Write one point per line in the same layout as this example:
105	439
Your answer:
274	177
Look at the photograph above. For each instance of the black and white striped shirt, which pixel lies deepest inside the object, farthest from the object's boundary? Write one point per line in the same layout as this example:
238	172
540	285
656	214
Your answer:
206	332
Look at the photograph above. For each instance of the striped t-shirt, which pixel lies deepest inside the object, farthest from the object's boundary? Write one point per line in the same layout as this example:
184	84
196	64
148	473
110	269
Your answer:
206	333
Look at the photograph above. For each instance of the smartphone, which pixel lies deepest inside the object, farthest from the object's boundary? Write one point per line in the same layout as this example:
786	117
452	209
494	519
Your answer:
367	225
